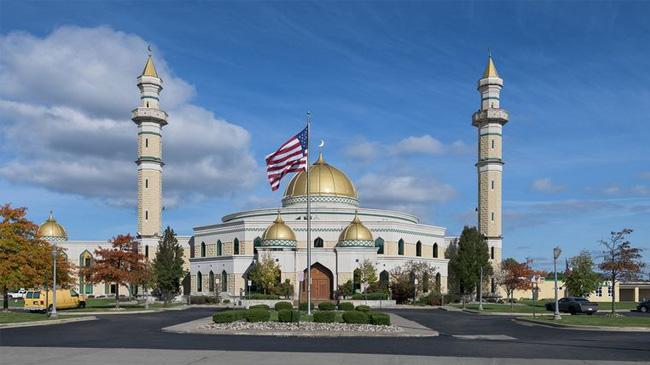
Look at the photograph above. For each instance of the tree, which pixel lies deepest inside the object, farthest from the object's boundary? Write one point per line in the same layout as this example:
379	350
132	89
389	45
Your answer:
580	278
513	276
367	274
265	273
121	264
451	254
346	289
621	261
25	259
472	255
168	266
402	281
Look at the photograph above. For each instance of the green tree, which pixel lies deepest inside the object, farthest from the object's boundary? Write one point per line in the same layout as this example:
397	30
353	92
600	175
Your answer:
581	279
265	274
367	274
402	283
472	255
621	261
168	266
453	281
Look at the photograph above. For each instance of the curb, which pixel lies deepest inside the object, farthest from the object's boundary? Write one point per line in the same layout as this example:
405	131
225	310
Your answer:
123	312
528	322
504	314
47	322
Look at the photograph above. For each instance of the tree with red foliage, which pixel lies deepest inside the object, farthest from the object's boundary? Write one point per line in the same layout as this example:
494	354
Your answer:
621	261
121	264
515	275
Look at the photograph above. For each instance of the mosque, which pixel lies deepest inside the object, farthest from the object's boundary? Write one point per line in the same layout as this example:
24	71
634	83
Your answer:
345	234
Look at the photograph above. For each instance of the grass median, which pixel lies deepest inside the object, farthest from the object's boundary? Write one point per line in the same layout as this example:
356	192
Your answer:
596	320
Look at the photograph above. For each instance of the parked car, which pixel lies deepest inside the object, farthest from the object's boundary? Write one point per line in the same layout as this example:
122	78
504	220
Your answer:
644	306
20	294
41	300
574	305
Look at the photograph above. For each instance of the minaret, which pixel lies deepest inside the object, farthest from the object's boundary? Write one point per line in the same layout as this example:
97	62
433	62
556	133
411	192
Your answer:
489	120
150	119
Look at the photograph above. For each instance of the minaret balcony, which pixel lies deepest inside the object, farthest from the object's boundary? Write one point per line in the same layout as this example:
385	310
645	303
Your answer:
491	115
139	115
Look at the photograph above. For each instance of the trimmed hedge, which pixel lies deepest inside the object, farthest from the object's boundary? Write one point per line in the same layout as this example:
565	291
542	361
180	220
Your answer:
326	306
263	296
357	317
258	315
370	296
283	305
288	315
346	306
363	308
326	316
303	306
380	319
259	306
229	316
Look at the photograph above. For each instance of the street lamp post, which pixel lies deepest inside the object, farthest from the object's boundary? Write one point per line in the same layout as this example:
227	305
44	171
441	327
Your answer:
480	290
556	254
415	289
54	255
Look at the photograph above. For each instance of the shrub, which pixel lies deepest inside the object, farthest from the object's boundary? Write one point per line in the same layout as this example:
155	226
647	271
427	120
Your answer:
263	296
363	308
355	317
326	306
212	300
229	316
259	306
283	305
258	315
226	301
198	299
381	319
327	316
346	306
288	315
303	306
371	296
346	289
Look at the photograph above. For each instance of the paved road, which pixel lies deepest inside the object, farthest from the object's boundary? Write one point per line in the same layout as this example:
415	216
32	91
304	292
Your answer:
516	341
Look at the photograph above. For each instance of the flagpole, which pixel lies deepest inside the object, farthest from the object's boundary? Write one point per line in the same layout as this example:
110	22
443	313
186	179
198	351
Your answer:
308	218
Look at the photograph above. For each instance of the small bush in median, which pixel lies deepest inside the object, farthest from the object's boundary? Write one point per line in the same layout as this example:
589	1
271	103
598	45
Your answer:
380	319
326	316
229	316
259	306
363	308
346	306
262	296
355	317
283	305
288	315
370	296
326	306
303	306
258	315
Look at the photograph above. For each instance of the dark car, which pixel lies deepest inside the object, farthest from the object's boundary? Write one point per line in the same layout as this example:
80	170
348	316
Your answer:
574	305
644	306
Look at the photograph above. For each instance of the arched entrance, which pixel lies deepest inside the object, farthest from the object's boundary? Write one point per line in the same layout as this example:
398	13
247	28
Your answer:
321	284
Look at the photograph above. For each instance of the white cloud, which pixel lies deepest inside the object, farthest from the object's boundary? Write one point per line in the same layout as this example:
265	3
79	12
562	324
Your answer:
366	151
419	145
546	185
363	151
65	102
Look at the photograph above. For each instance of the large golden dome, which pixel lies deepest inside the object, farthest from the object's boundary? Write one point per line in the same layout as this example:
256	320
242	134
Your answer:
278	234
325	179
51	230
355	235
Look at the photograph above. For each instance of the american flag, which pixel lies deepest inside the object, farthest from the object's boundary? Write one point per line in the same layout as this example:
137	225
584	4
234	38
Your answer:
290	157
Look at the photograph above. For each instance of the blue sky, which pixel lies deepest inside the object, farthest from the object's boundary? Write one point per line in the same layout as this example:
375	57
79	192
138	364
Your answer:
391	86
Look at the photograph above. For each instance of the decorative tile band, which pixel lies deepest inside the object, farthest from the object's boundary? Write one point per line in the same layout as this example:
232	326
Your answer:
320	199
356	243
278	243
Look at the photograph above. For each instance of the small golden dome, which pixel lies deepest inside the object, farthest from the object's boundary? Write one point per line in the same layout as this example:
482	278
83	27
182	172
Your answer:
356	235
149	68
278	234
325	179
51	230
490	69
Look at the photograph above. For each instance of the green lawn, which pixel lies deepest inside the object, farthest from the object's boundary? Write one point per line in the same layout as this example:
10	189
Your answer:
526	306
14	317
599	320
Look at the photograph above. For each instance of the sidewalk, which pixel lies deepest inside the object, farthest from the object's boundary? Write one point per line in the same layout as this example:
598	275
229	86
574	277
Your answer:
47	322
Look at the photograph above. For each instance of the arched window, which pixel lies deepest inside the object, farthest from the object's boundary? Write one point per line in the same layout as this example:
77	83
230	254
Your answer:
379	245
435	250
492	252
257	242
400	247
356	280
224	281
202	249
318	242
418	249
211	282
85	261
235	248
199	281
384	279
146	251
438	282
219	248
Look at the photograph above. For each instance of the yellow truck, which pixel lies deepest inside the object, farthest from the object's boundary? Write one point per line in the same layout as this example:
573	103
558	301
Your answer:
41	300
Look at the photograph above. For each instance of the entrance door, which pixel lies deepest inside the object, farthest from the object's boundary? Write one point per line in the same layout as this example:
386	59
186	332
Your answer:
321	284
